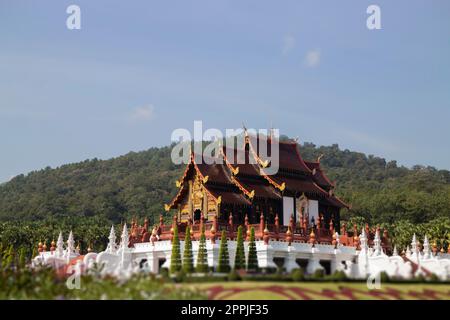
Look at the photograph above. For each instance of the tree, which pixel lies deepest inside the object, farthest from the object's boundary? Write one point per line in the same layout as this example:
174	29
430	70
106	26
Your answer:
224	258
22	257
202	258
188	260
239	261
175	259
252	262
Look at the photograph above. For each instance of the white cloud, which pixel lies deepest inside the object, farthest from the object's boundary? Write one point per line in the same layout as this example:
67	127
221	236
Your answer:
288	44
312	58
144	113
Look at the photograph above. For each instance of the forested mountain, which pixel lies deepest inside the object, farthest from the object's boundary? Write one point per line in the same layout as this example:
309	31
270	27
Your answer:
139	183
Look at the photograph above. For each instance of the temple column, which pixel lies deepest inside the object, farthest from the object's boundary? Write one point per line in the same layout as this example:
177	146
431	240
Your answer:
290	263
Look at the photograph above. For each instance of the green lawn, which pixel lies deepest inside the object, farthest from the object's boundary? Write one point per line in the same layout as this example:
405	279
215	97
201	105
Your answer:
321	290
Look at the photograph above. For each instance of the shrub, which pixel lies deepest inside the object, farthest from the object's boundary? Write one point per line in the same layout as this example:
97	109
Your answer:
234	276
175	259
339	276
252	261
180	276
202	258
384	277
164	272
434	278
188	260
318	274
298	275
224	258
239	261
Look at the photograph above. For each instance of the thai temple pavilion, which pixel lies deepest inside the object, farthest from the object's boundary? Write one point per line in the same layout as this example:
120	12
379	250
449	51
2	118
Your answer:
300	189
293	211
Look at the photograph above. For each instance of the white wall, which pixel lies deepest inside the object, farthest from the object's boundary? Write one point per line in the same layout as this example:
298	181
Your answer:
288	209
313	208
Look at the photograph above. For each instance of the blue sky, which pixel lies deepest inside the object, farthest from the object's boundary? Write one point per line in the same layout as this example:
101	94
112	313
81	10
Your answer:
137	70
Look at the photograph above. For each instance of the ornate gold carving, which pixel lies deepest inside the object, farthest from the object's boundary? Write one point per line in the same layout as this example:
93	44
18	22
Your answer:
283	186
166	207
234	171
205	179
178	183
264	164
251	194
219	200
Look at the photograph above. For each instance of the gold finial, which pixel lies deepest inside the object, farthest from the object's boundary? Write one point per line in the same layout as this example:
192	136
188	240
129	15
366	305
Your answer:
205	179
178	183
235	171
289	232
251	194
282	186
166	207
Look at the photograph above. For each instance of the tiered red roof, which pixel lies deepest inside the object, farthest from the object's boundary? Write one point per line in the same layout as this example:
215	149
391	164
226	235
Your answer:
239	183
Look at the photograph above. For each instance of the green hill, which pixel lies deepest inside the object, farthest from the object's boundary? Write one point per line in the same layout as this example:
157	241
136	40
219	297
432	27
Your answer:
139	183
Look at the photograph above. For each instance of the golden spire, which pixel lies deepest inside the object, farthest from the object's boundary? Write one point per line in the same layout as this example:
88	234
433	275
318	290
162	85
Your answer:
266	230
288	232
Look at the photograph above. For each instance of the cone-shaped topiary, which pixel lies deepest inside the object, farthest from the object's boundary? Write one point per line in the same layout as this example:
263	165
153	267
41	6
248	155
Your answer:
252	261
239	261
202	258
188	260
224	258
175	259
33	253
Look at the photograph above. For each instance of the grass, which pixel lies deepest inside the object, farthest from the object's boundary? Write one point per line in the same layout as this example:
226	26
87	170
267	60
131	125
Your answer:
321	291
